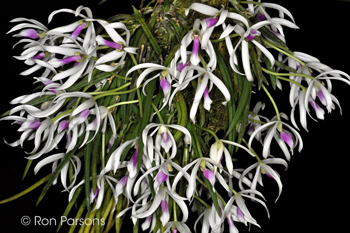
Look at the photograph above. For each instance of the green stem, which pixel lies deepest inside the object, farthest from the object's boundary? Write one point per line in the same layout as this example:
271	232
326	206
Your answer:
292	81
284	52
116	93
273	102
250	2
113	90
171	116
289	74
119	76
256	155
210	131
103	149
256	121
158	113
140	100
62	114
174	209
201	201
122	103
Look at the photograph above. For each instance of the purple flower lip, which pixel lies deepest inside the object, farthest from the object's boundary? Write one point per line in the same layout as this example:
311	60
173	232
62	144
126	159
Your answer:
30	33
251	128
135	156
195	47
252	35
70	59
211	22
319	111
161	177
40	56
165	85
84	114
78	30
164	206
260	17
124	180
298	65
209	175
113	45
62	126
94	194
206	93
321	97
287	138
34	124
165	137
181	66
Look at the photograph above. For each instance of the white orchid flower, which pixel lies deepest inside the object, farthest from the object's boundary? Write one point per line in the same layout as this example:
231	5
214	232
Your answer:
164	138
218	18
34	29
120	46
160	200
195	35
76	27
249	35
175	226
242	211
281	136
166	77
207	166
255	116
204	78
261	14
323	93
64	172
99	190
263	168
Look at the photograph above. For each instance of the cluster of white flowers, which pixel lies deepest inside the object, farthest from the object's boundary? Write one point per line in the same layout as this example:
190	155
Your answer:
68	56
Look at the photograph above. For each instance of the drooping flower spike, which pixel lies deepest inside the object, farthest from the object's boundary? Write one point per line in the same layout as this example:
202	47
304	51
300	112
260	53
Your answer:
326	97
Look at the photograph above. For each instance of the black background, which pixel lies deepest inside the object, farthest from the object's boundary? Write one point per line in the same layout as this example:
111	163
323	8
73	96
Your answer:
315	191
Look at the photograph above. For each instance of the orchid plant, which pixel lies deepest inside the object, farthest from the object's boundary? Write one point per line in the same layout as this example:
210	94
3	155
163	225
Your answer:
149	117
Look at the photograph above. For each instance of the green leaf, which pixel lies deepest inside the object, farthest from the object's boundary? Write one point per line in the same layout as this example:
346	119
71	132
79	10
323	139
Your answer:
144	120
87	172
27	168
148	33
183	114
241	105
231	104
34	186
70	205
213	195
